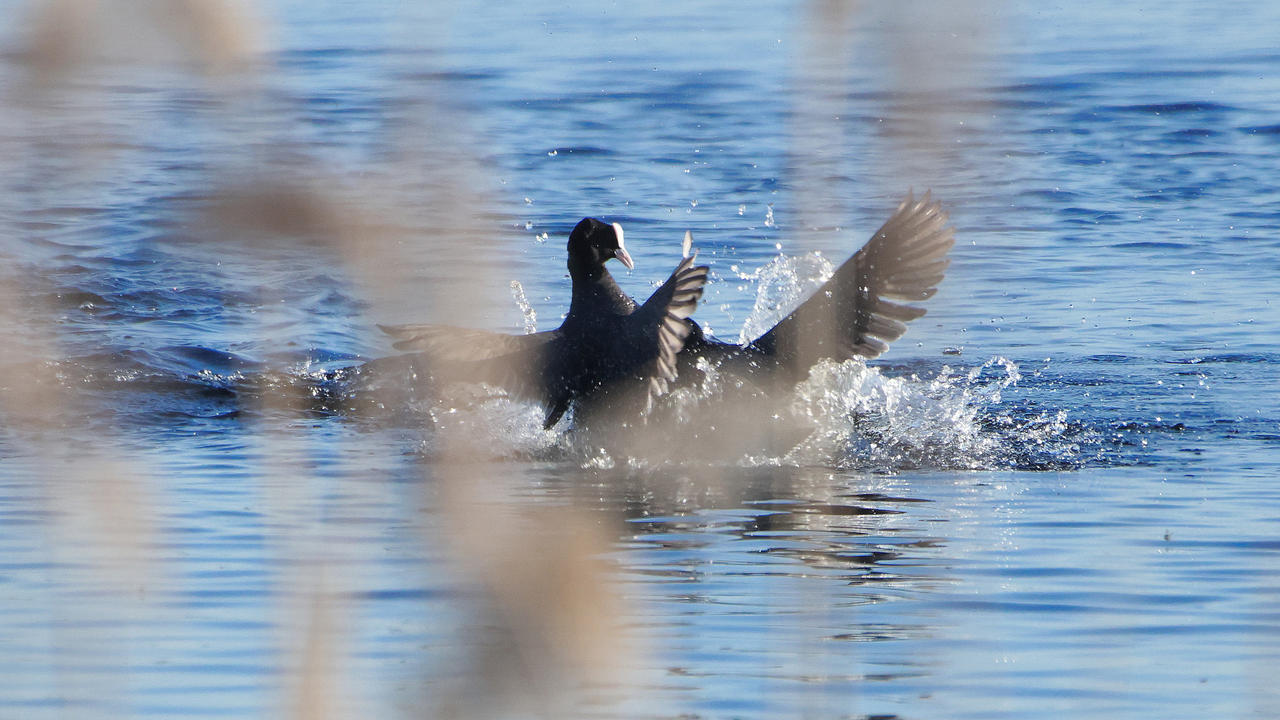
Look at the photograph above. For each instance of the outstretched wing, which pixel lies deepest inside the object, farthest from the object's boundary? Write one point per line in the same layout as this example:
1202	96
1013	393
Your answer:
449	343
667	311
851	314
512	362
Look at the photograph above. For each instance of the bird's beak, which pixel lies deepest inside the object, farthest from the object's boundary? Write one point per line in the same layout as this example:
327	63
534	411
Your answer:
621	253
625	257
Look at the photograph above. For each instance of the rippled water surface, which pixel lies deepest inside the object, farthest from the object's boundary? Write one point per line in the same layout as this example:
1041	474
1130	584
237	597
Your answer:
1054	497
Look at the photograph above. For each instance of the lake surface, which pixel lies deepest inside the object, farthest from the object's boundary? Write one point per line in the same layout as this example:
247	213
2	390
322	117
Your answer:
1056	496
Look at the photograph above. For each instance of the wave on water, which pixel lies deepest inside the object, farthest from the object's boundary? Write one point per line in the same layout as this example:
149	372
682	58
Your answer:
165	389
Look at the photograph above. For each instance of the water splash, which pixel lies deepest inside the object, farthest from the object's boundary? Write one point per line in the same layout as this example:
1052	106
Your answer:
781	285
490	424
862	418
526	309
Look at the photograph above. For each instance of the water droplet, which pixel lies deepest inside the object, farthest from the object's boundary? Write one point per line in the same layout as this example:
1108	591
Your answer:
526	309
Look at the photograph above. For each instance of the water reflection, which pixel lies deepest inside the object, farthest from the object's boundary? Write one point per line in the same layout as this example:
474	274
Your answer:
763	562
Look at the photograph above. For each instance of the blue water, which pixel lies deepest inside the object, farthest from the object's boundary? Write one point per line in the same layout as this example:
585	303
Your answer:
1054	497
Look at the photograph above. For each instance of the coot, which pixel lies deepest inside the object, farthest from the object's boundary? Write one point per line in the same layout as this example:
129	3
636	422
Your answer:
605	340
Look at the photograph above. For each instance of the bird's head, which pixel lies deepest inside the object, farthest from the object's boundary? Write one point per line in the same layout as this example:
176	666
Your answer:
594	242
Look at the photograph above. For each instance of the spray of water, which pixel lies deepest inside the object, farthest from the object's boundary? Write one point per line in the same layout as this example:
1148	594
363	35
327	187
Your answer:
526	310
845	415
781	285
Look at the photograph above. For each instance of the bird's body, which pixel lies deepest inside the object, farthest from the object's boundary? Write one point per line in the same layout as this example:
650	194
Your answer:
605	339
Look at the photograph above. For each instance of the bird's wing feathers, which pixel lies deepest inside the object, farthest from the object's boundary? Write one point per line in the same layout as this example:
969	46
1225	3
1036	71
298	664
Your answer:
513	362
449	343
853	314
667	310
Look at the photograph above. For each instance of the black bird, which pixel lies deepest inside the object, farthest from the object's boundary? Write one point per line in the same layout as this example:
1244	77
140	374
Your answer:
607	336
853	313
605	339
